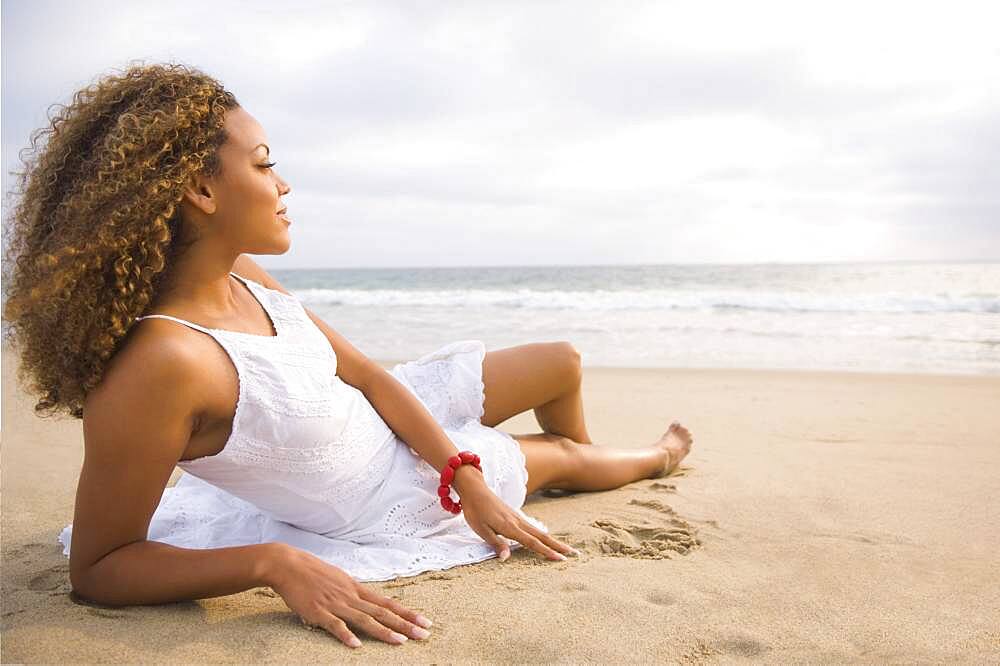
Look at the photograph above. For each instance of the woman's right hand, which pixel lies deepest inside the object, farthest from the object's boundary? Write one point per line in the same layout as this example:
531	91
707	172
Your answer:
326	596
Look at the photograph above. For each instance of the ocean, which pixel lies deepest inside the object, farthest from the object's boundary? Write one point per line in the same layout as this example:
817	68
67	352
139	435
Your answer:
873	317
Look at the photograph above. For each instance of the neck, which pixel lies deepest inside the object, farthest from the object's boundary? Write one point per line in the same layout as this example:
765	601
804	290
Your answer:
199	280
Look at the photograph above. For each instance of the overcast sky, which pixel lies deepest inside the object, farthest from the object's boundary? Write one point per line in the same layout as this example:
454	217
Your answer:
509	133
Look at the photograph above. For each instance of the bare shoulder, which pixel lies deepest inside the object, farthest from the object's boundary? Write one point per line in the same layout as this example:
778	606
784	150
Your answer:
160	363
248	268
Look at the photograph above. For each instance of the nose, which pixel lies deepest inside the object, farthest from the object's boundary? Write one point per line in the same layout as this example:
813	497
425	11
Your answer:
283	188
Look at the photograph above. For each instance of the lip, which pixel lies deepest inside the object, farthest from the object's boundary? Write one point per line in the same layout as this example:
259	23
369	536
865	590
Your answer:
284	218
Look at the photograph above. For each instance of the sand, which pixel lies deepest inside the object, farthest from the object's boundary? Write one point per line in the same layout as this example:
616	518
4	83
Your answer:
821	517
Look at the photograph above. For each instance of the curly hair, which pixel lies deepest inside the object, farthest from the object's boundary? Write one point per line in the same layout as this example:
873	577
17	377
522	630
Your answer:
98	221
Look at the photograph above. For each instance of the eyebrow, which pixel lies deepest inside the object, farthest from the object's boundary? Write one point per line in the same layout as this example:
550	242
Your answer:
262	144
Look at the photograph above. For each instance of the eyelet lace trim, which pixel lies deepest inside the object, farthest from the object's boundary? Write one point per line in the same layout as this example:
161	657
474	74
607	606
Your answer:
441	391
358	486
366	432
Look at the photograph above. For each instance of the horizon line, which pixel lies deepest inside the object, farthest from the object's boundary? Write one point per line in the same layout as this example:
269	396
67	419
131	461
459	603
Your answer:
754	263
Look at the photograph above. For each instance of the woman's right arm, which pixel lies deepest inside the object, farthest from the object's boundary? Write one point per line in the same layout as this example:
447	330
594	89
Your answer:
137	424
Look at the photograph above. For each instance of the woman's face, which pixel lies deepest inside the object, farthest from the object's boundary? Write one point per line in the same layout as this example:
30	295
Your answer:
242	209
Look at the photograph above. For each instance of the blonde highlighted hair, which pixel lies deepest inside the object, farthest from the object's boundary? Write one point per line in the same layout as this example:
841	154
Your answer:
97	223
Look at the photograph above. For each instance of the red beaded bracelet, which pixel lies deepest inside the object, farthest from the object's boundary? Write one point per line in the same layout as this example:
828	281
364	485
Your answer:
448	475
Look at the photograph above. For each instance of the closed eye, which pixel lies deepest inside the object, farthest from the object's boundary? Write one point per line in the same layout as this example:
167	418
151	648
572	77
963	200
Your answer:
268	165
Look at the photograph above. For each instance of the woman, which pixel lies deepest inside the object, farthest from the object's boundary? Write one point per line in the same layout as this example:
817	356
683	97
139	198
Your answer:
309	467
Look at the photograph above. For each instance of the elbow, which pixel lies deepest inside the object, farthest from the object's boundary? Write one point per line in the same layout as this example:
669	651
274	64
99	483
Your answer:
376	371
371	374
82	586
94	594
86	587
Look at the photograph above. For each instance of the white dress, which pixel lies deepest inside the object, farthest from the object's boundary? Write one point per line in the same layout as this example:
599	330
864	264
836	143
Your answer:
311	463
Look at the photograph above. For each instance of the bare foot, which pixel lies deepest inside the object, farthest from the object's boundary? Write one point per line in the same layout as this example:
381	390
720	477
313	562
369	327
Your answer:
676	443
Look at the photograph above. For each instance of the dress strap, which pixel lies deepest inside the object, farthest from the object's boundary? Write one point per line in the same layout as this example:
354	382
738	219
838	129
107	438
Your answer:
260	293
178	320
250	285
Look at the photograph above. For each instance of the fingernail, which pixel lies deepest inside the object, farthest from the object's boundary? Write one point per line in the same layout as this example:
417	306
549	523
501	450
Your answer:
399	638
561	556
504	555
575	552
420	633
424	622
354	642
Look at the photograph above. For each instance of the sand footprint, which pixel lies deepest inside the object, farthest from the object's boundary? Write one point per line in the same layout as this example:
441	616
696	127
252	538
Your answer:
50	579
657	505
645	529
646	542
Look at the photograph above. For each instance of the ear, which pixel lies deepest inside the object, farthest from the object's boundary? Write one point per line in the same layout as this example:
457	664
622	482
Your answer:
198	192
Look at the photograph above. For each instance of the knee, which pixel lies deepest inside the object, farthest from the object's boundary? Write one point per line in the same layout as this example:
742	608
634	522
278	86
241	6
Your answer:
572	358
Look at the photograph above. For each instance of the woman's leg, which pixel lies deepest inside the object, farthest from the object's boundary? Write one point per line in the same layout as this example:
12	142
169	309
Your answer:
564	416
543	376
559	462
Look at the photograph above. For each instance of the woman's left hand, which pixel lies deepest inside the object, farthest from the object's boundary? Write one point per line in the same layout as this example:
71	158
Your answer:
492	519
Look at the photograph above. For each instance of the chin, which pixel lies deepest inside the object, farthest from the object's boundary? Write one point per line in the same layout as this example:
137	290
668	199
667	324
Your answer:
287	245
276	246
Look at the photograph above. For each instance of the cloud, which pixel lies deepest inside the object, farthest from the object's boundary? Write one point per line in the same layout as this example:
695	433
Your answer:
475	133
